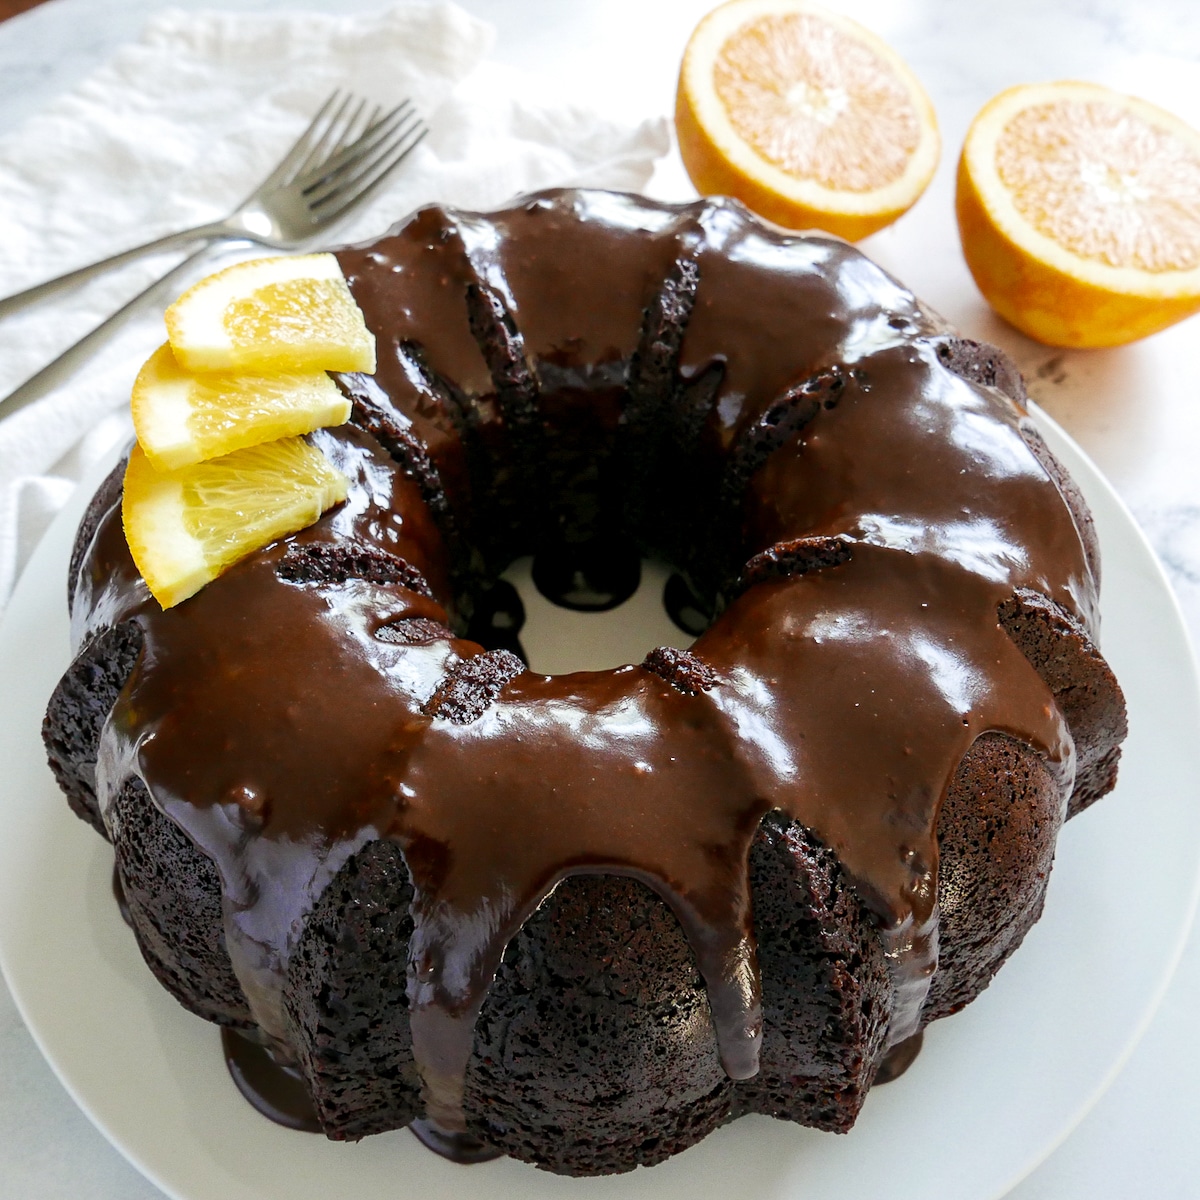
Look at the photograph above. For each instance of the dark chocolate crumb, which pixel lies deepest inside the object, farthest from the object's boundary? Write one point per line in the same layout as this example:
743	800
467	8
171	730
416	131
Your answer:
415	631
78	710
796	557
978	362
777	425
681	669
472	686
1084	687
318	562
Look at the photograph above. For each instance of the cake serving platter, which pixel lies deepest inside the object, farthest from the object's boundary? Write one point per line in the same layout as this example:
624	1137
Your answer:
995	1089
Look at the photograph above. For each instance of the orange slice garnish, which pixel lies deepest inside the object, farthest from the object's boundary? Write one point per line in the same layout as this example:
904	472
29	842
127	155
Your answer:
293	313
1079	213
181	418
186	527
805	116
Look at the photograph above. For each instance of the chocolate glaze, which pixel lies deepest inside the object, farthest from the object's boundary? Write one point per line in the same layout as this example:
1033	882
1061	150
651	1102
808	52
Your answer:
899	1058
276	1091
458	1147
282	731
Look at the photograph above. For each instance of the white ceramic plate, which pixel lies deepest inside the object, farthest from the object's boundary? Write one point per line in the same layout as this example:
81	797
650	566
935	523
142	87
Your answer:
994	1091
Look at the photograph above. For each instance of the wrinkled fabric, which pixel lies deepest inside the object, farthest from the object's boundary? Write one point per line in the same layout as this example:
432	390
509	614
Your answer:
177	128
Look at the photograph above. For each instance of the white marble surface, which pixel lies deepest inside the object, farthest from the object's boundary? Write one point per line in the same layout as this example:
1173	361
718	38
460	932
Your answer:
1136	410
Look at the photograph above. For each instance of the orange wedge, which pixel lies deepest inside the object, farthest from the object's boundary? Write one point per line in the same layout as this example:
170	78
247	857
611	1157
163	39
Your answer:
293	313
1079	213
186	527
180	418
805	116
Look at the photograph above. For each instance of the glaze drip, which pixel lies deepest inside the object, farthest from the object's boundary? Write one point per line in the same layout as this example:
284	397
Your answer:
276	1091
806	425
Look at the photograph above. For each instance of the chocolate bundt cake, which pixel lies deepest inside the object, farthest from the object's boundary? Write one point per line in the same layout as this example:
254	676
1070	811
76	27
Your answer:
584	919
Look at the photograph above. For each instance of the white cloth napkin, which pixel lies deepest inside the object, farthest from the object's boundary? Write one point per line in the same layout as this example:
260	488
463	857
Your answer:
178	126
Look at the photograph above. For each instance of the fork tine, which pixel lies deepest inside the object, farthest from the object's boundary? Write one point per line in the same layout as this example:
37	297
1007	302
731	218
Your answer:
354	133
364	160
363	145
357	196
351	202
299	147
354	128
331	137
351	173
371	137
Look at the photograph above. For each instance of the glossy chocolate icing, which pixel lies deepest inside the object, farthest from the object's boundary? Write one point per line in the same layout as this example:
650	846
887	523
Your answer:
899	1058
276	1091
283	725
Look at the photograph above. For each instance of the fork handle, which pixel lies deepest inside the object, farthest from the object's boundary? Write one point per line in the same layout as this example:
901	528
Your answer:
36	386
173	241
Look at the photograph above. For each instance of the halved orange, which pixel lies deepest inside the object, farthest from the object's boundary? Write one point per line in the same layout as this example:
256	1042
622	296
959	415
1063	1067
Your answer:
805	116
1079	213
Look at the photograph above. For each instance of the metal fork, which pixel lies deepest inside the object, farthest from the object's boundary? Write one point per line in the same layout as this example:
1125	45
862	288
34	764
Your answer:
339	160
333	163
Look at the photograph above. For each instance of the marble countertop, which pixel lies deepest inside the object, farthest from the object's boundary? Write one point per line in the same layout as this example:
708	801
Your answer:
1135	410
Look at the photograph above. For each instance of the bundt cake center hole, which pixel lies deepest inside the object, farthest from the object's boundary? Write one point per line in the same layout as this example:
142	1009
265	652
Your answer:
685	606
590	577
596	630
